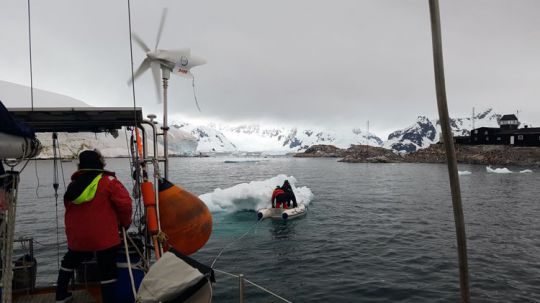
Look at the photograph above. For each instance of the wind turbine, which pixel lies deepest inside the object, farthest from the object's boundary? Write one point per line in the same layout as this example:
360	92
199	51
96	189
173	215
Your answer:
179	61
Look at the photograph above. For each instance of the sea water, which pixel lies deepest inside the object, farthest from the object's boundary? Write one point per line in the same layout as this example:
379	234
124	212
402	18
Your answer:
373	232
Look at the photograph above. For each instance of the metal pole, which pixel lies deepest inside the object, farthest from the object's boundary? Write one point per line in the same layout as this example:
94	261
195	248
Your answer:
472	119
166	73
8	235
449	146
241	287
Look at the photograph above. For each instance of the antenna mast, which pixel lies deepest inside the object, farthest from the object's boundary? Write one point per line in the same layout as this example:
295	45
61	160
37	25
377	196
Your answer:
472	118
368	127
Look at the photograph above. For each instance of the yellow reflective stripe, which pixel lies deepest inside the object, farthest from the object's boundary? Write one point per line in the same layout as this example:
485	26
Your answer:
89	192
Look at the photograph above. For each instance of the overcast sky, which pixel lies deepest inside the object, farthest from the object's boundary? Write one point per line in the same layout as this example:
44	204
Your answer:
304	62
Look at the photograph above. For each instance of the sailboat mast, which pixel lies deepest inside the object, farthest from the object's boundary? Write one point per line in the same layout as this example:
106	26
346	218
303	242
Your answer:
450	151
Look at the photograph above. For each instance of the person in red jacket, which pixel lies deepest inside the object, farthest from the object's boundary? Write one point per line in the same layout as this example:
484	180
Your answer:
279	198
96	204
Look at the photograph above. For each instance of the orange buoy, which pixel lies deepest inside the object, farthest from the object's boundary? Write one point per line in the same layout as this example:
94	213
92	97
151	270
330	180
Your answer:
149	200
184	218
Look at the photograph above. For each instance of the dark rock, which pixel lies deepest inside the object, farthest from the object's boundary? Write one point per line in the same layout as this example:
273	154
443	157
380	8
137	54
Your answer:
470	154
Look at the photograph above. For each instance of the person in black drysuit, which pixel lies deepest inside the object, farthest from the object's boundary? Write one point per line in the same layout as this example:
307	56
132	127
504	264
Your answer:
290	194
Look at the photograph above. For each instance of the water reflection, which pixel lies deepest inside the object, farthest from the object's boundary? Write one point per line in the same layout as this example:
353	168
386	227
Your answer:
281	229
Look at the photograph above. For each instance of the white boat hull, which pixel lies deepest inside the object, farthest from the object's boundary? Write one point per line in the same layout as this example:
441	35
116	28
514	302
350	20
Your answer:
281	213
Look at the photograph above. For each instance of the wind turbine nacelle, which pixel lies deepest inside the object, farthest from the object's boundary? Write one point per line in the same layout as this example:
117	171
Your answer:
185	63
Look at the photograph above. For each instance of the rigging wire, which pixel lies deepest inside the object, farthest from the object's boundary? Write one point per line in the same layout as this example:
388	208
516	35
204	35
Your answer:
61	165
132	70
253	283
232	242
134	181
30	53
55	186
135	155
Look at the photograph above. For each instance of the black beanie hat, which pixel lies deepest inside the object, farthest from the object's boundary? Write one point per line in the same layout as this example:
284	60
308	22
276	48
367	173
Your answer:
91	159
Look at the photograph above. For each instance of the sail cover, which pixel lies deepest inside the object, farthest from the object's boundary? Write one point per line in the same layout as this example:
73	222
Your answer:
176	278
9	125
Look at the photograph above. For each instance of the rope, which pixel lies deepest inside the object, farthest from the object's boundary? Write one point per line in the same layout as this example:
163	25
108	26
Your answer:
141	255
129	264
230	243
37	178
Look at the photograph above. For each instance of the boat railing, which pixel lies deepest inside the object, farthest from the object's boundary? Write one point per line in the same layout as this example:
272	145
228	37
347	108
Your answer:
241	286
24	268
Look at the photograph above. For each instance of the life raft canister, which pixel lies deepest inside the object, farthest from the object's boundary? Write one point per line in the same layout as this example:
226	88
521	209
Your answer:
184	218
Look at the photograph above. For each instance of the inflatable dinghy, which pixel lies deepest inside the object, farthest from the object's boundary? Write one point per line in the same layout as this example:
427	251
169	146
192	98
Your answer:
281	213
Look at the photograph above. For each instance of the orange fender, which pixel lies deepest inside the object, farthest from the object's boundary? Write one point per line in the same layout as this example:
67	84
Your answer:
184	218
147	189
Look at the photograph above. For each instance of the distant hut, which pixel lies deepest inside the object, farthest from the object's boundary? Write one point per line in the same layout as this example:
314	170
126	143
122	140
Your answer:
509	122
508	133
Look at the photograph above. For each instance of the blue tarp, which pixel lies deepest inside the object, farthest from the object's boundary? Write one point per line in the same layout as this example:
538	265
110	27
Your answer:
9	125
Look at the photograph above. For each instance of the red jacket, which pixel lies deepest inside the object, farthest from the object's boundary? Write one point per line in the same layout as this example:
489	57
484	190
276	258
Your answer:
277	192
93	225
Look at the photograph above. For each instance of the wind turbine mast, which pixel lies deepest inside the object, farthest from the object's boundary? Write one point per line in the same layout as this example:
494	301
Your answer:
165	75
179	61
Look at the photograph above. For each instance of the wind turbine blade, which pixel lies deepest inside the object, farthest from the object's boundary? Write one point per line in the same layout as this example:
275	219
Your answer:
174	55
140	42
162	23
140	70
156	68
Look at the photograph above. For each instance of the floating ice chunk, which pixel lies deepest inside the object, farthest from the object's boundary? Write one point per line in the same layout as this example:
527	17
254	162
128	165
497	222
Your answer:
526	171
503	170
464	172
252	196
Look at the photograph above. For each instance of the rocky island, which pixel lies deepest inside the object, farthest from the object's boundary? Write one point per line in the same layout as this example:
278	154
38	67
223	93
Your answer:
469	154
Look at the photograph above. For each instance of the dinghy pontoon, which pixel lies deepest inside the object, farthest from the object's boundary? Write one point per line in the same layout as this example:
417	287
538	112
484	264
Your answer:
281	213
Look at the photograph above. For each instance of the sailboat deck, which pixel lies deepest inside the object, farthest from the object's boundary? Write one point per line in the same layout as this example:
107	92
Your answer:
79	296
88	293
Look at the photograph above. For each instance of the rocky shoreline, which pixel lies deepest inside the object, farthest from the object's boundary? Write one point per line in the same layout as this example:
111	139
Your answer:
467	154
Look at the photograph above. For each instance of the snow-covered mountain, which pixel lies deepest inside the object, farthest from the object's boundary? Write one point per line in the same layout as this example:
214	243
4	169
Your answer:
189	139
425	131
208	138
17	95
272	139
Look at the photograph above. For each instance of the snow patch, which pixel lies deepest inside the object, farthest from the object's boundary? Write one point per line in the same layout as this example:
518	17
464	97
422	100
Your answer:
464	173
